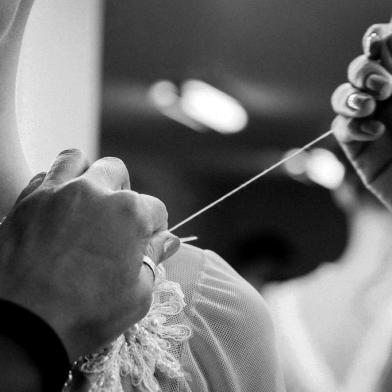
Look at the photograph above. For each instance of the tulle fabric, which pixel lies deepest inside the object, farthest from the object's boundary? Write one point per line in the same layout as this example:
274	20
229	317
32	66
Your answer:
232	343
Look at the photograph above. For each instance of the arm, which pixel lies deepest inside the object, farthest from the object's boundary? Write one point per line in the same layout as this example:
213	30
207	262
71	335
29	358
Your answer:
14	172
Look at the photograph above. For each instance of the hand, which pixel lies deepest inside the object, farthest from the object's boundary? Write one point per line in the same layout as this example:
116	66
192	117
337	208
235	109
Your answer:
71	250
363	126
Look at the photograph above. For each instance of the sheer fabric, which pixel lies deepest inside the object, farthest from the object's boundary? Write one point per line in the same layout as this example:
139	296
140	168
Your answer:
232	346
304	363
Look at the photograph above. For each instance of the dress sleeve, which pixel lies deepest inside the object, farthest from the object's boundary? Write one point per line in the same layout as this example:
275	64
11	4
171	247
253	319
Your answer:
232	348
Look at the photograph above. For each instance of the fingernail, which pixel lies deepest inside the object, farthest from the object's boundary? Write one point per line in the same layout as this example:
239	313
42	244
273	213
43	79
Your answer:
372	46
171	246
373	128
357	101
377	83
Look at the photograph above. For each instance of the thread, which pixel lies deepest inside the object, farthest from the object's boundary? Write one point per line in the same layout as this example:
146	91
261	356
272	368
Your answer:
253	179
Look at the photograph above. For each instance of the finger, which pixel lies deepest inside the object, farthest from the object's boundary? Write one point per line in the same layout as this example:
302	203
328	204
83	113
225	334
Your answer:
109	172
371	41
162	246
371	76
377	44
372	159
155	212
34	183
68	165
350	130
350	102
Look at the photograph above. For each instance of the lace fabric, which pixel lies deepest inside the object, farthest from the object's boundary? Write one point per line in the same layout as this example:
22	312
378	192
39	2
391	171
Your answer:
145	348
232	348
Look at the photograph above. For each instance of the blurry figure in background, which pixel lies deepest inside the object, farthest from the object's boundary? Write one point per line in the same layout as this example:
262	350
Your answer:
334	333
335	324
265	257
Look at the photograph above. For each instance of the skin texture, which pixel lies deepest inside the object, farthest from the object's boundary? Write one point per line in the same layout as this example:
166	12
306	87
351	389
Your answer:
71	251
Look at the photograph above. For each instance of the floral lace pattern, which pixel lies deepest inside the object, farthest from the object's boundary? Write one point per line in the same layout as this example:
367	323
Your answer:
145	348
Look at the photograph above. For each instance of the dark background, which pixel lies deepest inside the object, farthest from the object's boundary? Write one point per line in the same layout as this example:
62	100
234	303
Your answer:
281	60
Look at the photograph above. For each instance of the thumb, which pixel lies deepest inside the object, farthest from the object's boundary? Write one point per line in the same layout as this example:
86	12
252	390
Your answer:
34	183
162	245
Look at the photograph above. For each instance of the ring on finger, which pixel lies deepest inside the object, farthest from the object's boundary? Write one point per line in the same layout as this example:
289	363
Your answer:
150	264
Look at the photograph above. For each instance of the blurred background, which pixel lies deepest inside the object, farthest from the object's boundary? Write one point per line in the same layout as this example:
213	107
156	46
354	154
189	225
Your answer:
196	97
199	96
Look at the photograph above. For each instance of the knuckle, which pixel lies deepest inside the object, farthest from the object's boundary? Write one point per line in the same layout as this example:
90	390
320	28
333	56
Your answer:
78	188
67	158
129	208
158	207
113	167
113	162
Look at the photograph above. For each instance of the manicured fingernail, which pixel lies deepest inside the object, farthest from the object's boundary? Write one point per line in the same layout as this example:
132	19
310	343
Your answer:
372	46
377	83
373	128
357	101
171	246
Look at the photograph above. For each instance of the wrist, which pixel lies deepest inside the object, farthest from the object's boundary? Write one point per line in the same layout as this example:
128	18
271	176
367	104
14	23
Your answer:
35	345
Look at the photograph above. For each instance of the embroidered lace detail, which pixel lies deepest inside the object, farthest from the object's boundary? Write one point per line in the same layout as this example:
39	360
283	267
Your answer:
144	348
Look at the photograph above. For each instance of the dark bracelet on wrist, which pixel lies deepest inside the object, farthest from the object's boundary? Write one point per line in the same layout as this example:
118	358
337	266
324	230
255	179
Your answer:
39	341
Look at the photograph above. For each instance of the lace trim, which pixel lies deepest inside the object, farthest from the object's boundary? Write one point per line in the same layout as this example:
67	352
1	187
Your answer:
144	348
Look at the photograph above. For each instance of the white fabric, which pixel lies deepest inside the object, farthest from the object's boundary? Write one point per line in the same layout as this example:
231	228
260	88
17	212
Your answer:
232	347
304	365
133	359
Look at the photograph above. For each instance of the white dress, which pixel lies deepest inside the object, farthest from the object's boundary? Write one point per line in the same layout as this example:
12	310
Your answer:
232	342
304	363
